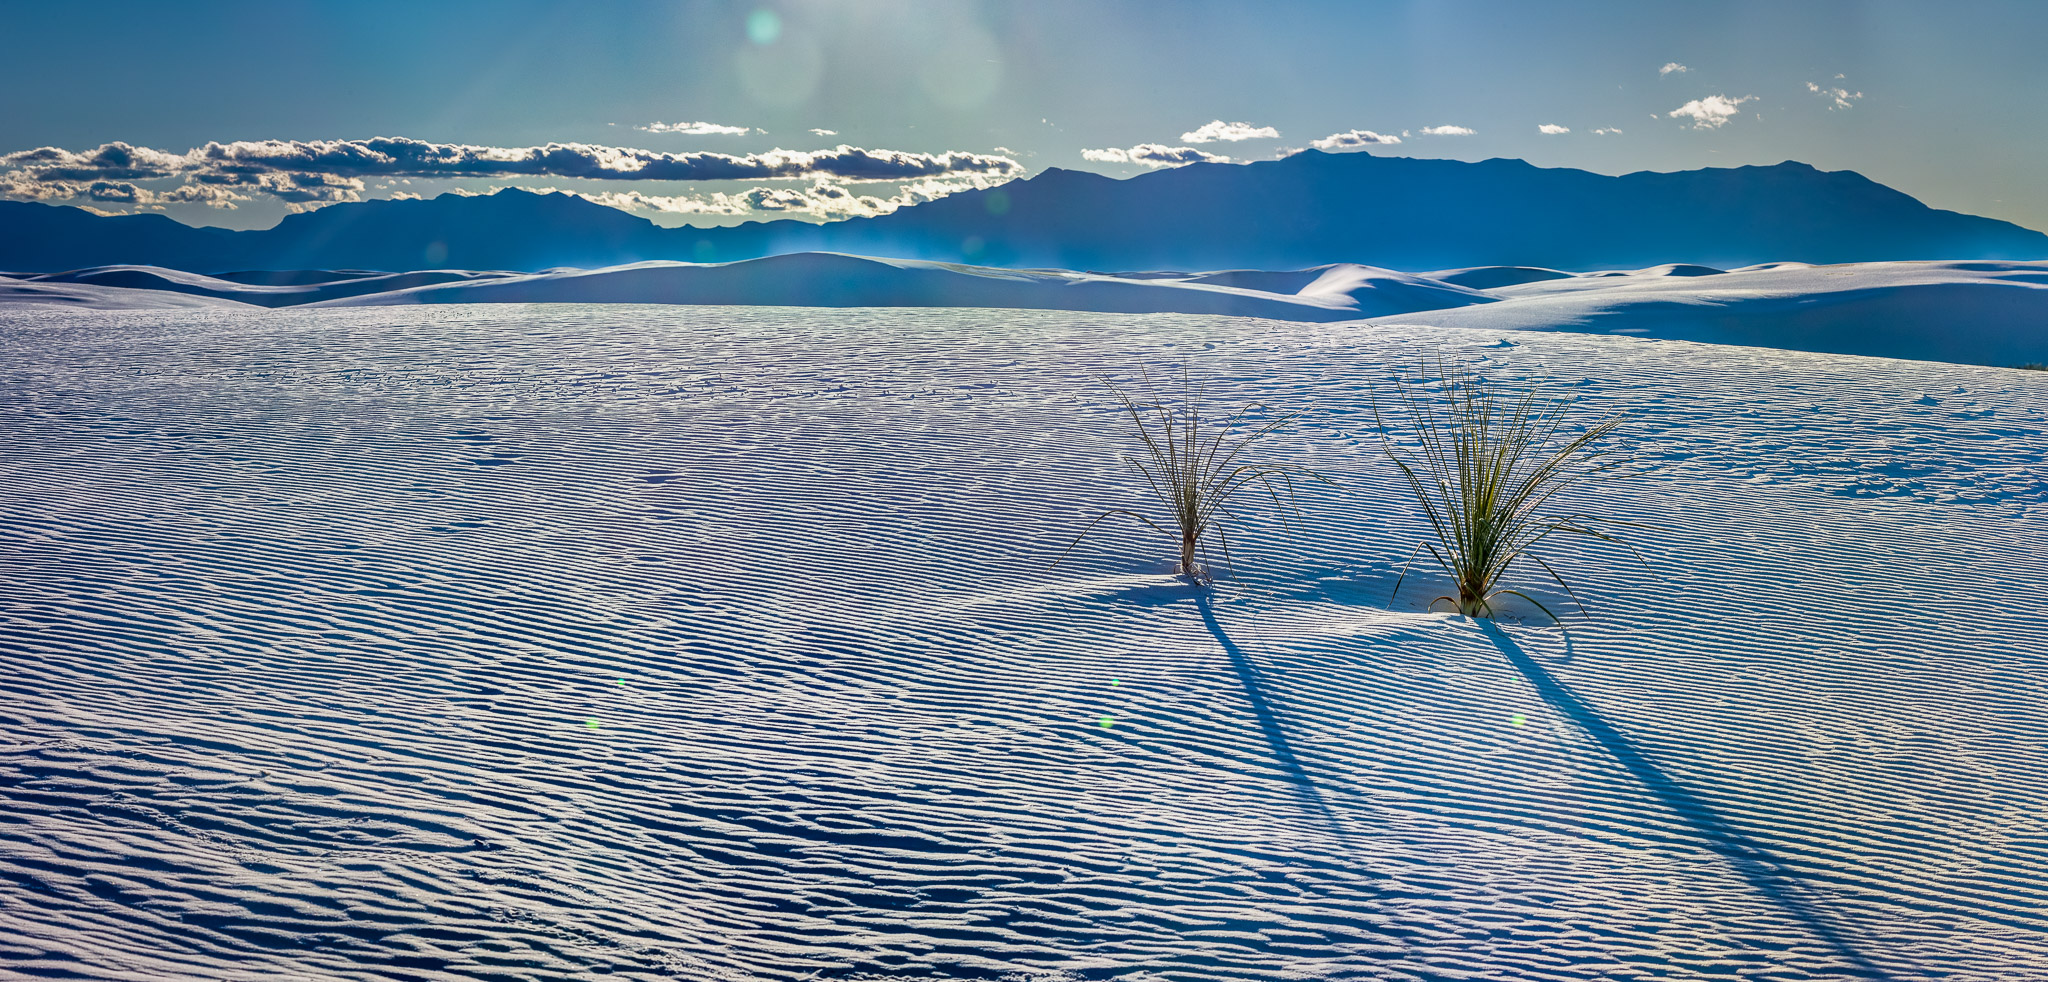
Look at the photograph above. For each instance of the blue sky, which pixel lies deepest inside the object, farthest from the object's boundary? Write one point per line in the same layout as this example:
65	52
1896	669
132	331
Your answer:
1940	101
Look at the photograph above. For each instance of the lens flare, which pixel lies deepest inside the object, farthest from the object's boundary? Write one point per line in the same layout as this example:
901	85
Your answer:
763	27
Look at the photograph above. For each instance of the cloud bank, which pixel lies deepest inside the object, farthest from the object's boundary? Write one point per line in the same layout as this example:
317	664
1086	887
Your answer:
1672	67
1552	129
823	199
305	173
388	157
1215	130
1154	155
1446	131
1354	139
1711	112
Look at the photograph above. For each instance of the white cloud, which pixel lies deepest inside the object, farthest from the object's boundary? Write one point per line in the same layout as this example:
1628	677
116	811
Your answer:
1552	129
1353	139
1154	155
683	204
1671	67
117	192
819	132
21	186
1607	131
309	174
696	129
1711	112
823	199
1842	98
400	157
107	162
210	195
1447	131
416	158
293	187
1215	130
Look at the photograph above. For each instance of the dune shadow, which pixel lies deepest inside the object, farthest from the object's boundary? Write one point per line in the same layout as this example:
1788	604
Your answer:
1749	860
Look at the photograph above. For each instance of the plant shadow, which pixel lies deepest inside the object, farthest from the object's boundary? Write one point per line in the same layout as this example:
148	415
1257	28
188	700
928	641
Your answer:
1269	722
1749	860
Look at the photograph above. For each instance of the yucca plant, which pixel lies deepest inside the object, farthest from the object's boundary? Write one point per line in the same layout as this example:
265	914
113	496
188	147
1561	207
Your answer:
1194	466
1485	467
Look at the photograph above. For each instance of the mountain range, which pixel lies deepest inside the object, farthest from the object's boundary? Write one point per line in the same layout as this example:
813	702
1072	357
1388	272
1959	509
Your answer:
1308	209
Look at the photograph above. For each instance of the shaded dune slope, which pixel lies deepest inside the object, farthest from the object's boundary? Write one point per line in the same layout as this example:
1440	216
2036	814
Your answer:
1977	312
832	280
1972	312
281	288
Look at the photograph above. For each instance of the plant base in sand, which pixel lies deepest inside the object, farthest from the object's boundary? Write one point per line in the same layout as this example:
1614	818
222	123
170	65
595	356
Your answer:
1486	467
1194	466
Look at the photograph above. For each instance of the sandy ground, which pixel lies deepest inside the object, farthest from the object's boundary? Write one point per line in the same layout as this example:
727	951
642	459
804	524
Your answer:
556	641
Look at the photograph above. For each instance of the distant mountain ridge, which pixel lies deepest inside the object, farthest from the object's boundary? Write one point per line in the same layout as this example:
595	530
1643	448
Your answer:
1308	209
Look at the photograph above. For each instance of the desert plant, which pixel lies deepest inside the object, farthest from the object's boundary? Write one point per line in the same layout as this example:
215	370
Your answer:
1194	466
1485	466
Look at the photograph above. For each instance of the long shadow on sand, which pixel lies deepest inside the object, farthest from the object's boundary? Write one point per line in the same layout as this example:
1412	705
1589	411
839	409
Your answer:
1749	860
1269	723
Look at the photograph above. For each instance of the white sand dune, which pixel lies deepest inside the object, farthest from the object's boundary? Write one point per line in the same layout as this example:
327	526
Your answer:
833	280
563	642
808	279
260	288
94	296
1987	313
1990	313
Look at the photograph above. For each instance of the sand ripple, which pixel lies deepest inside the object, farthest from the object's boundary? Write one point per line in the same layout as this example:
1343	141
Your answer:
551	642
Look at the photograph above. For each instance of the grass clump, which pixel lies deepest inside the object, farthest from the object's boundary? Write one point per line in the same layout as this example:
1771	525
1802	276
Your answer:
1194	465
1485	466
